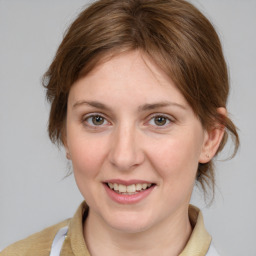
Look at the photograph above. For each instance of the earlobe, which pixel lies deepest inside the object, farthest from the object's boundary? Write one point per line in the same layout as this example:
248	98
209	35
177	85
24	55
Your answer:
65	144
68	156
212	139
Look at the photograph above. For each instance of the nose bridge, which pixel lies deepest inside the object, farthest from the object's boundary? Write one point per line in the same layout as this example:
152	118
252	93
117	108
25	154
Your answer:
126	151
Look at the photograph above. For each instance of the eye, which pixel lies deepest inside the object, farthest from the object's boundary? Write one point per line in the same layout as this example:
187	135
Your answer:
159	120
95	120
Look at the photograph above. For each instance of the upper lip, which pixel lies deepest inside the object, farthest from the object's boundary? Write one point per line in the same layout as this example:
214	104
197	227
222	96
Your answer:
128	182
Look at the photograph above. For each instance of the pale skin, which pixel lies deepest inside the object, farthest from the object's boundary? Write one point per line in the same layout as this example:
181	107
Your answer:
127	120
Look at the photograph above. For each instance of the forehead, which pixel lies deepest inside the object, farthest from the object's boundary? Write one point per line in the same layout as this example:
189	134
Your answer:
130	72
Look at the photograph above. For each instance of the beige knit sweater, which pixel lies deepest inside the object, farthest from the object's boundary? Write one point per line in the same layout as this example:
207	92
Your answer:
40	243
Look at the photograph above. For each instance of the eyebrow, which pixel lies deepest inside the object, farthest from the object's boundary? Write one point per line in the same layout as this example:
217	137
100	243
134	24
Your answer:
142	108
95	104
161	104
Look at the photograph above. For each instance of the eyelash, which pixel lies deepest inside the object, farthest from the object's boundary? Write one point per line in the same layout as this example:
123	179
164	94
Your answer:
90	124
167	119
151	118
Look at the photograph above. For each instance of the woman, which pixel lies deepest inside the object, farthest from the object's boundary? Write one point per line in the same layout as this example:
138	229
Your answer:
138	93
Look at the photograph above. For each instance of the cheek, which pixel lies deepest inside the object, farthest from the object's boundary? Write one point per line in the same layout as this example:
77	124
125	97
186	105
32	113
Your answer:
87	154
177	159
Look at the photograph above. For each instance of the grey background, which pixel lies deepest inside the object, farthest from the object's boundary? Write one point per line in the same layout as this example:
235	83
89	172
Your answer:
33	193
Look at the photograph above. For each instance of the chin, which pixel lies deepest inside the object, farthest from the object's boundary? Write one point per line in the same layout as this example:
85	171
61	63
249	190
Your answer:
130	223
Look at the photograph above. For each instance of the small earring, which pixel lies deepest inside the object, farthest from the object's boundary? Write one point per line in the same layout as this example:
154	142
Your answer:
207	156
68	155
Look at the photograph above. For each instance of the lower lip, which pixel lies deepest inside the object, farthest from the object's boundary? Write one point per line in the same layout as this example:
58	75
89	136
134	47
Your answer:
128	199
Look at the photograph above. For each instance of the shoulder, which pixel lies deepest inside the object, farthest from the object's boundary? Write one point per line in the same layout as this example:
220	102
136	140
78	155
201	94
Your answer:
37	244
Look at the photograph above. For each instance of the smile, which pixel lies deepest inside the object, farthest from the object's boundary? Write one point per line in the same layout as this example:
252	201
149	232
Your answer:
128	192
130	189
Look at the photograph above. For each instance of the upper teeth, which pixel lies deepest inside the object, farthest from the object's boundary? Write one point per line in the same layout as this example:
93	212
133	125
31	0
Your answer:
129	189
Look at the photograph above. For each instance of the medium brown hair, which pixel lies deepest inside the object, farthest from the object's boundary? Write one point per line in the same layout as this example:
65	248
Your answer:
176	35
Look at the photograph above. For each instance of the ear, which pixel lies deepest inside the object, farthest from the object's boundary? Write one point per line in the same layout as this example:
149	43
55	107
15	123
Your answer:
212	139
65	144
68	156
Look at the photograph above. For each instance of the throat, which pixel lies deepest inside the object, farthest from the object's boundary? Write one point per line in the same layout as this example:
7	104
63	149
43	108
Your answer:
167	239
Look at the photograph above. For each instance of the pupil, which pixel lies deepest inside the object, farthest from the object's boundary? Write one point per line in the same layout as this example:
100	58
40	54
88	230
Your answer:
97	120
160	120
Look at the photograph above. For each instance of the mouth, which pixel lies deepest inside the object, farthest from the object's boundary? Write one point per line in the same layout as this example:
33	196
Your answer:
131	189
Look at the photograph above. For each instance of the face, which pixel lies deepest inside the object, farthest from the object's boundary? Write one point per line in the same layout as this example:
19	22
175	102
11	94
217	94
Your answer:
134	142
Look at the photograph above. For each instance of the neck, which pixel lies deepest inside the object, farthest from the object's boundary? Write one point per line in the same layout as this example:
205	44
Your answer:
167	238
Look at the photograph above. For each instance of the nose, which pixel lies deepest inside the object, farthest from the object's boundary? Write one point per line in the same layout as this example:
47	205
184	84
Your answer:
126	149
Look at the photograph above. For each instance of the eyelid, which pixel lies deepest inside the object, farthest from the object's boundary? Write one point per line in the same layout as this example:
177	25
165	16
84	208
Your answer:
167	116
90	115
171	118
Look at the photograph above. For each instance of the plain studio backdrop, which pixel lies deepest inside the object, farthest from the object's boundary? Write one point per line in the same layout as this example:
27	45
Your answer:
33	193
